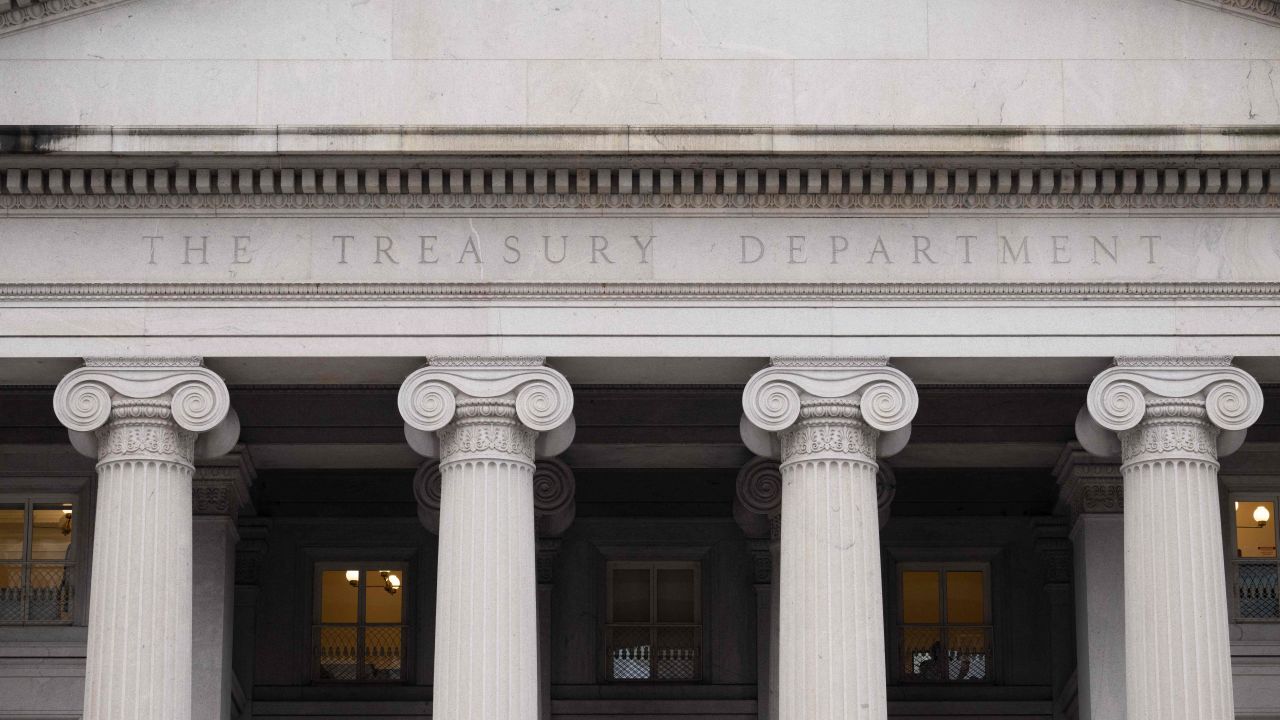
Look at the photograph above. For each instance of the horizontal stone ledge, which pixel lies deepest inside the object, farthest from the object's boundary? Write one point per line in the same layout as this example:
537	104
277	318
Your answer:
637	140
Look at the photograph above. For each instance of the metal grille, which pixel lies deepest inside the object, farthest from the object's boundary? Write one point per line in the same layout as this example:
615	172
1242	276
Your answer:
347	653
655	652
1256	590
36	594
940	653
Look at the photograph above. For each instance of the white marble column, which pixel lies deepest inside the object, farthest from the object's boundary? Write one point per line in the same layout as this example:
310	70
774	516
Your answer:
1092	491
1174	418
219	489
758	509
833	418
485	419
140	417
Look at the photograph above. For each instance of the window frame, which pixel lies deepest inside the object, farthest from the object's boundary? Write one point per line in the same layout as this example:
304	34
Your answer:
1234	561
699	626
71	572
364	566
943	567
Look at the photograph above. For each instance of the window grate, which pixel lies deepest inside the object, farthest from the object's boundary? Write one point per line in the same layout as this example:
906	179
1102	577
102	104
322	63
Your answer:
655	652
349	653
36	593
1256	590
940	653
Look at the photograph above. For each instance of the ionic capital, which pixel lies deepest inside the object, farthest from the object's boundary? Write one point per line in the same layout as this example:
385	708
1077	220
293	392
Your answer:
464	405
856	406
757	504
146	408
554	491
1159	407
1088	484
220	485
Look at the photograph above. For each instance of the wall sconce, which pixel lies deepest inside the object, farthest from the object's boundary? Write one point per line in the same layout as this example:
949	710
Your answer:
390	583
66	519
353	577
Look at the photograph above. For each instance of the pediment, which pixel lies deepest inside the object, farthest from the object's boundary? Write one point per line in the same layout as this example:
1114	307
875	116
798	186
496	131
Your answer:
1267	11
19	15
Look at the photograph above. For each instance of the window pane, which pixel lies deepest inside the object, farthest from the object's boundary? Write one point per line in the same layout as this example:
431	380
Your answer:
51	533
631	595
12	531
1255	529
338	599
965	602
383	598
920	597
677	596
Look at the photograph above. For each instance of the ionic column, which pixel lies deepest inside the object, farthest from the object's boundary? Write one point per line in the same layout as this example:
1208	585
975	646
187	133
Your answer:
1092	491
833	418
485	419
1174	418
141	418
219	489
757	507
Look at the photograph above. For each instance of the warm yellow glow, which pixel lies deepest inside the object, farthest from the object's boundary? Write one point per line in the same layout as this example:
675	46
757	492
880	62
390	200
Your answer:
393	582
1261	514
353	577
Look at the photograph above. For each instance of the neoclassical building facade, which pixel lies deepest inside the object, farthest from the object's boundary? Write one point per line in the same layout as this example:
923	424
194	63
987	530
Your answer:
639	359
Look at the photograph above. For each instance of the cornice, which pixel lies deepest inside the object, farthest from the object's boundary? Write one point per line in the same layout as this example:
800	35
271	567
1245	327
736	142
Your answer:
19	15
1267	11
593	141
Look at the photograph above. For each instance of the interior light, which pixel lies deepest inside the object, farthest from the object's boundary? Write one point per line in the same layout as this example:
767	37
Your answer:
1237	505
353	577
390	582
1261	515
65	525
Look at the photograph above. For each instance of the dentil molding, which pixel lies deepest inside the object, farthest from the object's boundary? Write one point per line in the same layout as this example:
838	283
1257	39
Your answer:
1026	184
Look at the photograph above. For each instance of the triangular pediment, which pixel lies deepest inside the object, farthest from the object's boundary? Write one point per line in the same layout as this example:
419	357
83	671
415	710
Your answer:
19	15
1267	11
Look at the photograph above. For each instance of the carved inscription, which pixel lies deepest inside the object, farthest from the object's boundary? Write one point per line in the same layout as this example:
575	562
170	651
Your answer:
641	249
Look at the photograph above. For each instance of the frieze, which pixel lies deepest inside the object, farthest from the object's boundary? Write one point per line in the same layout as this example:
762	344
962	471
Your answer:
16	15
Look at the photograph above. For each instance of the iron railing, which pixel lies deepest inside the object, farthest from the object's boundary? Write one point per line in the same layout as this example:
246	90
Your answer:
946	653
654	652
36	593
358	653
1257	585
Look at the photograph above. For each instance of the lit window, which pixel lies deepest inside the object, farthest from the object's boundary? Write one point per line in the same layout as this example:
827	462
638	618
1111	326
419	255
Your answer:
1255	561
945	633
359	635
655	621
36	563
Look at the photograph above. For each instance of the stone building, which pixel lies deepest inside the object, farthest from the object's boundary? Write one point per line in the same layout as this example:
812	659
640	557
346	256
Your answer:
638	359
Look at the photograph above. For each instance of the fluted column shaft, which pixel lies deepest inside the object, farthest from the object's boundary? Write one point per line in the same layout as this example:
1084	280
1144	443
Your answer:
1172	417
831	620
486	610
141	417
1178	658
138	665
